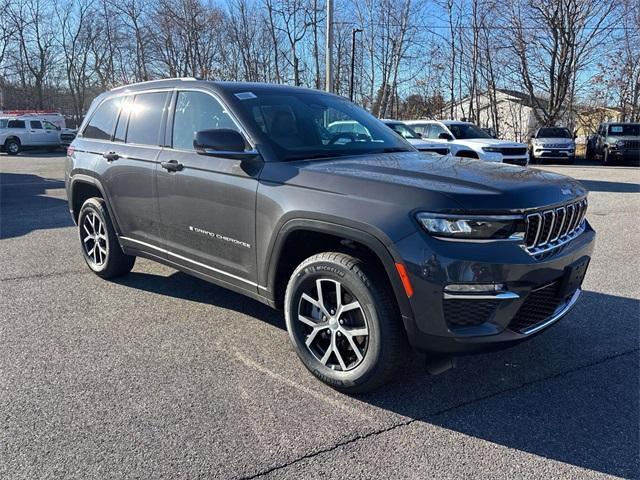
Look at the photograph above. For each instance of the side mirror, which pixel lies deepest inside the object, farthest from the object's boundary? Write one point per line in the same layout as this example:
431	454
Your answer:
445	136
222	142
419	135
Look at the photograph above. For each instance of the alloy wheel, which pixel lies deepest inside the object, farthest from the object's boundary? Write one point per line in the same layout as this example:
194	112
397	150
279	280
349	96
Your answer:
94	239
13	147
333	324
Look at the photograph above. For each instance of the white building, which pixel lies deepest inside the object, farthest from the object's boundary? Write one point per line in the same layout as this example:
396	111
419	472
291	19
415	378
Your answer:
516	120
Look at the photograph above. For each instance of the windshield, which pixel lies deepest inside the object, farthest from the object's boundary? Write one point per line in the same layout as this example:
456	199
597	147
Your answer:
625	129
553	133
403	130
314	125
466	130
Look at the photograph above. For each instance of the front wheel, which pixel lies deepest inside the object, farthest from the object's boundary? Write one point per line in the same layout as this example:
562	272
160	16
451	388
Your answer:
12	147
99	242
344	323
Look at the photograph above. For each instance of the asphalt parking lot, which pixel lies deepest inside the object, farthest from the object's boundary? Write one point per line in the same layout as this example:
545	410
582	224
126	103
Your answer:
160	375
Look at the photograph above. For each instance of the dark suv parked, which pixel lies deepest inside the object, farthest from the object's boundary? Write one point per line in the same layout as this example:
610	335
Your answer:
369	246
615	142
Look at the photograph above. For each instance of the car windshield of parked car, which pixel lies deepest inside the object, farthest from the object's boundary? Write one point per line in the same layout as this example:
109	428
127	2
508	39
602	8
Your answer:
553	133
403	130
314	125
463	131
625	129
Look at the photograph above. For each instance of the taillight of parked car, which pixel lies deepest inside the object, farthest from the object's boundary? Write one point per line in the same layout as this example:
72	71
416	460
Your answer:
70	150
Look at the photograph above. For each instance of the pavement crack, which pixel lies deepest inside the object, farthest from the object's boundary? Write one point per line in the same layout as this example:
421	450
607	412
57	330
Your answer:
44	275
405	423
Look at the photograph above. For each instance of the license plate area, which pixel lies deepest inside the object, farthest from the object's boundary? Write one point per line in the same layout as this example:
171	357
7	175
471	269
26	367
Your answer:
573	277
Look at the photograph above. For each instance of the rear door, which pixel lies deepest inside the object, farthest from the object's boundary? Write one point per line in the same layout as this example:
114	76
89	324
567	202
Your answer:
207	207
128	168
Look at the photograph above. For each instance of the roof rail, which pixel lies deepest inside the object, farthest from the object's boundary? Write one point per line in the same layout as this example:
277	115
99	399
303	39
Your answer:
148	82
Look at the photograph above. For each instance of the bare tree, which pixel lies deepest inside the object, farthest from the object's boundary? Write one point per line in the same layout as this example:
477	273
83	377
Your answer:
553	40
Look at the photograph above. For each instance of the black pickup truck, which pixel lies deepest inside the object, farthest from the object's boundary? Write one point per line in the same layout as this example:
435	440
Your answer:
368	245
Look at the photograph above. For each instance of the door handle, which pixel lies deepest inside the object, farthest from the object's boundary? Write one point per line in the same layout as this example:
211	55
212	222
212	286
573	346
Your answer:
172	165
111	156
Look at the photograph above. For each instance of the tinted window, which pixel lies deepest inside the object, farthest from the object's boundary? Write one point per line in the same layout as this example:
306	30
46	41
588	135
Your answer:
466	130
553	133
197	111
298	125
36	124
16	124
3	123
121	128
403	130
145	118
103	120
623	129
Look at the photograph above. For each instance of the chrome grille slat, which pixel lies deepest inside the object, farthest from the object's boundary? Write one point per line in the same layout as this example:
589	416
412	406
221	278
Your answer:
550	229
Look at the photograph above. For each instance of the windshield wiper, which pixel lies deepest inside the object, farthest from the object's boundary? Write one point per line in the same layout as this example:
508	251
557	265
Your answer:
311	156
394	150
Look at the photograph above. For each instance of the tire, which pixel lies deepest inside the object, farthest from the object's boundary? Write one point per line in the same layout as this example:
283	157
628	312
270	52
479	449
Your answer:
372	311
95	229
589	155
12	146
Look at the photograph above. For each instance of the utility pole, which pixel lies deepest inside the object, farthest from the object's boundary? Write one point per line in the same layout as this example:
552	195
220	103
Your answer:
353	59
328	50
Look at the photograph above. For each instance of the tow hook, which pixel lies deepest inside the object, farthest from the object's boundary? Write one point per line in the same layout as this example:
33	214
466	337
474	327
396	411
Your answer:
437	364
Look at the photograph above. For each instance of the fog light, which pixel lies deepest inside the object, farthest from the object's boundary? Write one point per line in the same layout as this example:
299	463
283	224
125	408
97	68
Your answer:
474	288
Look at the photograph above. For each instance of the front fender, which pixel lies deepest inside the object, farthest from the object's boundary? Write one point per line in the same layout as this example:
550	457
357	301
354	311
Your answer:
377	243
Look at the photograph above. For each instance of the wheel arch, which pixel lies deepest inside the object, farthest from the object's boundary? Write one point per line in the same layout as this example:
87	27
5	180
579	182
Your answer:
300	238
82	187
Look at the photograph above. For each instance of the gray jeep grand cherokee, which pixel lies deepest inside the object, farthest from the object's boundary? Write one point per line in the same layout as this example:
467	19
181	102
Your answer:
369	246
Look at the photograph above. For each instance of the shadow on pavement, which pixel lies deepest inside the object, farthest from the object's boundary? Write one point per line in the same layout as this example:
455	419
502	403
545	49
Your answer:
25	205
181	285
584	416
616	187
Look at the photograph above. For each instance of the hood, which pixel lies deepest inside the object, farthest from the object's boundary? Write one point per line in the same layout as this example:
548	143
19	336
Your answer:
470	185
483	142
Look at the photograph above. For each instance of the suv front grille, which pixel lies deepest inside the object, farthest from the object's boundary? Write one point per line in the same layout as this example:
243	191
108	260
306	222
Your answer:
513	151
551	228
468	313
538	306
632	144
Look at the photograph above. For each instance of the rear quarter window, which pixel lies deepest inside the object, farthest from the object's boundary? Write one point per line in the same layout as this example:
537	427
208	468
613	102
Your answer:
103	121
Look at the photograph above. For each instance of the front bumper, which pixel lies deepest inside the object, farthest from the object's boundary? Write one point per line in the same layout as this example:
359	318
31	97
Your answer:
529	301
625	154
554	154
522	161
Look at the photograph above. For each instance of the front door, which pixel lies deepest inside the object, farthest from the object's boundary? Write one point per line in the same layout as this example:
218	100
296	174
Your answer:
207	204
37	133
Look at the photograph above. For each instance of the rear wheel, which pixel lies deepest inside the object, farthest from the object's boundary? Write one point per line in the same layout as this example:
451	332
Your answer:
344	323
99	242
12	146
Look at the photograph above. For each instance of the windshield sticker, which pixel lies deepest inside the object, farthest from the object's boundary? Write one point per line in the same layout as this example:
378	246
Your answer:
245	95
616	129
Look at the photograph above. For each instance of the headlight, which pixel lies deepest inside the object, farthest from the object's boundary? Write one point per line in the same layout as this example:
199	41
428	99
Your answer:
620	143
492	149
473	227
